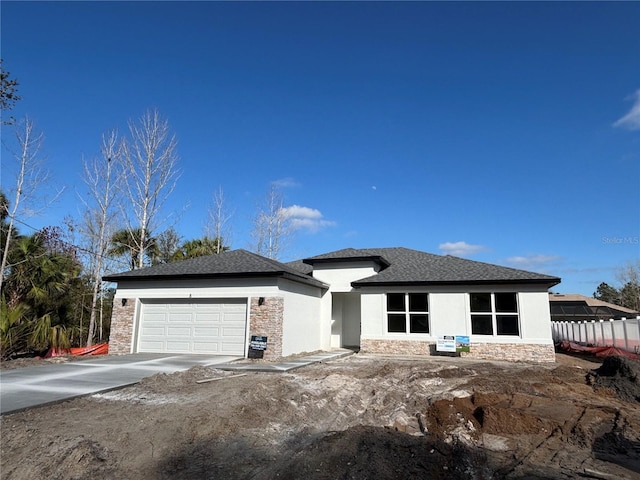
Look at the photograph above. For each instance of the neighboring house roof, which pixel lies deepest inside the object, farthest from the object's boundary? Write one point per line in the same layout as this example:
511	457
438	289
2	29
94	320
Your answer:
398	266
230	264
412	267
572	306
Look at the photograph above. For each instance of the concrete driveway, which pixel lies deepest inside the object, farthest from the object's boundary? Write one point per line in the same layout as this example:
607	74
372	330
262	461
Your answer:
23	388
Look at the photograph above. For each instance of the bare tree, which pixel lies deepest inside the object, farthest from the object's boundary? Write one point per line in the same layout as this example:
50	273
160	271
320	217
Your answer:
167	243
218	227
629	278
30	178
271	227
151	164
103	178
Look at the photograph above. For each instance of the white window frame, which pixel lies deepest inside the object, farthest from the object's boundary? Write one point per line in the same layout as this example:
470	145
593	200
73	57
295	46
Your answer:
407	314
494	314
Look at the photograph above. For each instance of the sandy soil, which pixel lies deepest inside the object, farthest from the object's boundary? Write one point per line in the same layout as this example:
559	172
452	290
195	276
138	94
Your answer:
362	417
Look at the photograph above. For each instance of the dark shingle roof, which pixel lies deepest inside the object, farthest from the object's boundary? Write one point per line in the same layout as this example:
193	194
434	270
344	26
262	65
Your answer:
399	266
235	263
349	255
300	266
412	267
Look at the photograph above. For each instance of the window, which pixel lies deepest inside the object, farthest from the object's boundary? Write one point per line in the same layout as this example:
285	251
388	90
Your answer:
407	313
494	313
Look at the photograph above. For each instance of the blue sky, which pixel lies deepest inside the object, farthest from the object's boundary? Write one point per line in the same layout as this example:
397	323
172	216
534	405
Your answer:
503	132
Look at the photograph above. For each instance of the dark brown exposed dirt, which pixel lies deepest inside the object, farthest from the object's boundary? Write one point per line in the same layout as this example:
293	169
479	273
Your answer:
618	375
357	418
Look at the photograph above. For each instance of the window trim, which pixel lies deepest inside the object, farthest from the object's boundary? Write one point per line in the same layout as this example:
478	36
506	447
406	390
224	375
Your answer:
494	314
407	312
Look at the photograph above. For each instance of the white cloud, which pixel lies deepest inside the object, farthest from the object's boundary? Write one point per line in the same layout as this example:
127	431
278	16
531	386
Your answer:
286	182
460	249
305	218
532	261
296	211
631	121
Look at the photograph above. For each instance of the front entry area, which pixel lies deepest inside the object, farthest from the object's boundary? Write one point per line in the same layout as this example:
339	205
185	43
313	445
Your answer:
345	320
209	326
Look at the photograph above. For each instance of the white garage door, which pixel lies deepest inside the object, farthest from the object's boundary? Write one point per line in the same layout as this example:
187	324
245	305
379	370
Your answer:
193	326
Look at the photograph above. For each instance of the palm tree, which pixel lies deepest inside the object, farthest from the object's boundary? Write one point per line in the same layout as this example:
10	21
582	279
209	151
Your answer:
127	242
38	276
199	247
37	292
14	329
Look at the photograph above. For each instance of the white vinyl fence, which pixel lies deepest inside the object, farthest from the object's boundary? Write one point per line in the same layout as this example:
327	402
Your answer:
624	333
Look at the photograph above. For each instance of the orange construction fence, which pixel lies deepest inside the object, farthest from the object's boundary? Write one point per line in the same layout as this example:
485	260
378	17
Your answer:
99	349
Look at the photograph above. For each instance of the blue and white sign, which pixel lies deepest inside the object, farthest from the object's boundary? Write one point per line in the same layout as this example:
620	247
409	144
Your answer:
452	343
446	343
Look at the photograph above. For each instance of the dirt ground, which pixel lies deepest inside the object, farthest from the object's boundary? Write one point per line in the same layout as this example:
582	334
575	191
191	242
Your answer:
362	417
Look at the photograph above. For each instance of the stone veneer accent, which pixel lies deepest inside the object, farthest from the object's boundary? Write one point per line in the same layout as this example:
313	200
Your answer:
121	326
396	347
512	352
266	320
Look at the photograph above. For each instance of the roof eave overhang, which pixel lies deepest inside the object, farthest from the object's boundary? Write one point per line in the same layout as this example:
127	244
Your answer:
215	276
369	258
548	282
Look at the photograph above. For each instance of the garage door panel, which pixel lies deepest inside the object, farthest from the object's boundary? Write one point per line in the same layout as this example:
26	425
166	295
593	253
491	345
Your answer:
233	318
206	332
149	331
178	347
233	332
174	331
208	316
233	309
151	346
197	326
206	347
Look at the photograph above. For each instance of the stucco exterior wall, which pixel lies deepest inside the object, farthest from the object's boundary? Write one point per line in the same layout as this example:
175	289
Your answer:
340	275
448	314
231	288
534	308
302	318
